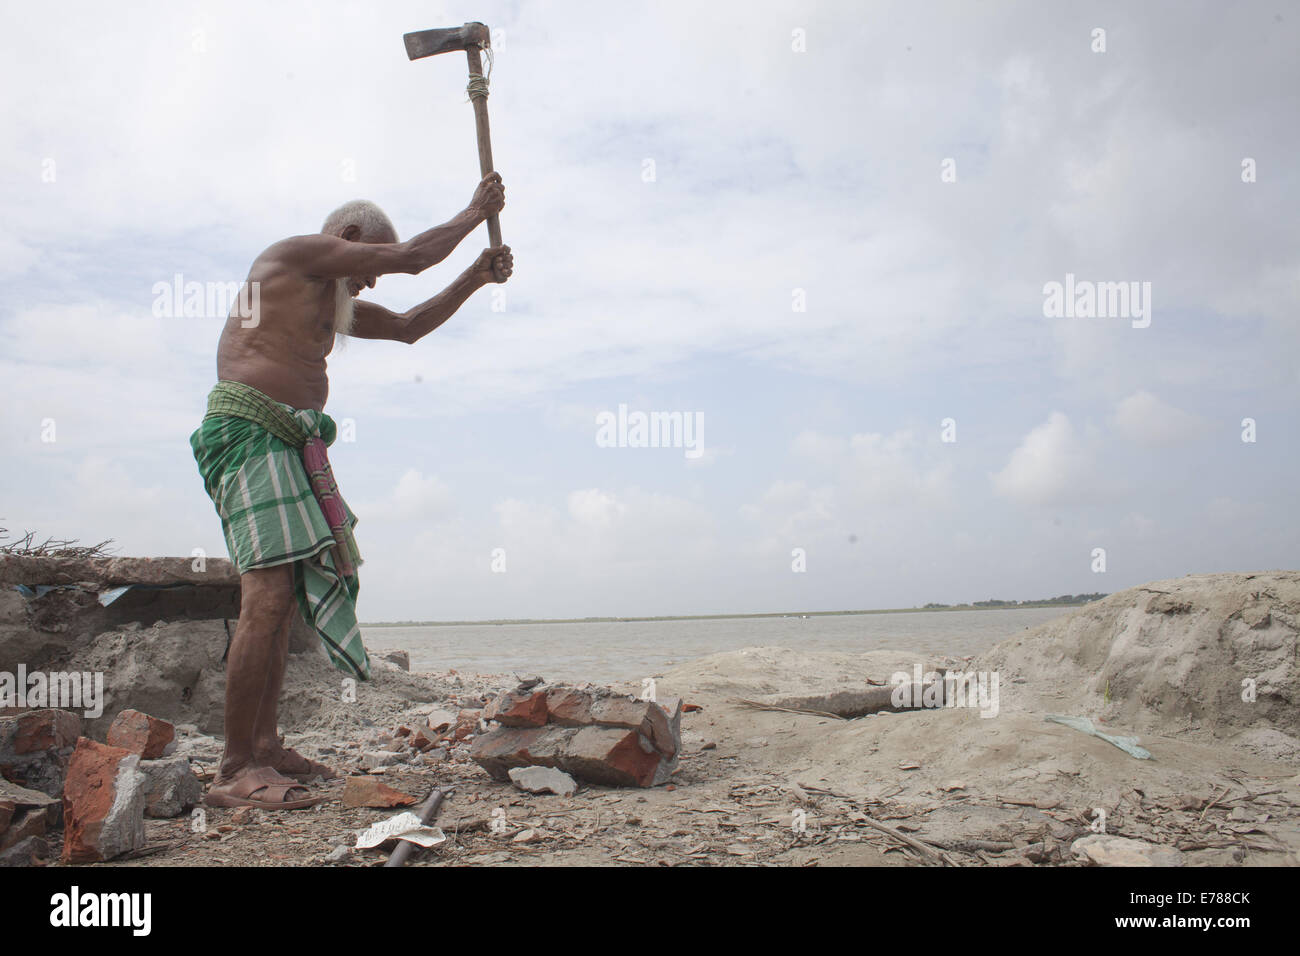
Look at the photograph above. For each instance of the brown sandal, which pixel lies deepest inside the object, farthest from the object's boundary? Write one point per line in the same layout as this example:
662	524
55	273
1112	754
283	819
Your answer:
314	767
273	787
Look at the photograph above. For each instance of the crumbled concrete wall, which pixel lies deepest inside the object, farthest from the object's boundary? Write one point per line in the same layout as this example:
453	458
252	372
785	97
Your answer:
36	631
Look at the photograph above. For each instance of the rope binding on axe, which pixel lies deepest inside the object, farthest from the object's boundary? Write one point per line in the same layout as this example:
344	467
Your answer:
478	82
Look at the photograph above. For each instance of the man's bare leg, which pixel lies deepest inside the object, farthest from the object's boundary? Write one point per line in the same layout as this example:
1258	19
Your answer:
255	666
267	748
266	737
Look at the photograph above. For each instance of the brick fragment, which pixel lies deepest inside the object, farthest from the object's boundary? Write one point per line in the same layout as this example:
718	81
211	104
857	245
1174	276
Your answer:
103	803
140	734
372	792
518	710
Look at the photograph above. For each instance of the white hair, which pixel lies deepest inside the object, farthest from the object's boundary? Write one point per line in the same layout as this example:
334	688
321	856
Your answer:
359	212
344	308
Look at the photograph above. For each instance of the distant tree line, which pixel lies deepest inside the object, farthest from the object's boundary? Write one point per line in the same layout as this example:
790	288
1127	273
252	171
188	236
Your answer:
1042	602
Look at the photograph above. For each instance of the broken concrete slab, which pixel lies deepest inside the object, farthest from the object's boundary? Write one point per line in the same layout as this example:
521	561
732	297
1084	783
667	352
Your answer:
172	789
543	780
33	570
374	759
1103	849
33	851
140	733
63	610
14	799
32	822
172	671
850	703
103	803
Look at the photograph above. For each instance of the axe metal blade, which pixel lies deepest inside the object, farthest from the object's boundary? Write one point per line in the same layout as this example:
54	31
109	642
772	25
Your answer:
424	43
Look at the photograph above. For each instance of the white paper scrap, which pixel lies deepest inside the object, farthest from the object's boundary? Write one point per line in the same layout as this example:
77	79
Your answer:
404	826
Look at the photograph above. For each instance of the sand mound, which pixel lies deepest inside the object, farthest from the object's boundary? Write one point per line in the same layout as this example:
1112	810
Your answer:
1168	657
1164	662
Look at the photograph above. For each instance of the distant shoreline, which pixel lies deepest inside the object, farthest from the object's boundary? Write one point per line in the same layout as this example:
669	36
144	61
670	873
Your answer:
721	617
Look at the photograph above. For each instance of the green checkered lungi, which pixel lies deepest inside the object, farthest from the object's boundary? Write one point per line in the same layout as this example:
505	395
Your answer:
270	515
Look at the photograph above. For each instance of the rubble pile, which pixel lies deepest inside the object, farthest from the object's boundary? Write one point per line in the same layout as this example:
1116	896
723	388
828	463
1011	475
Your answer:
51	774
593	734
35	747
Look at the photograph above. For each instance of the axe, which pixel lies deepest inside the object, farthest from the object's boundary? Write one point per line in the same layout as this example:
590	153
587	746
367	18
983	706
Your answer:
472	37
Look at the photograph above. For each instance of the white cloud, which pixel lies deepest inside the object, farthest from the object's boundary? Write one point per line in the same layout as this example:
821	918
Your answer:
1050	466
1148	420
415	497
923	297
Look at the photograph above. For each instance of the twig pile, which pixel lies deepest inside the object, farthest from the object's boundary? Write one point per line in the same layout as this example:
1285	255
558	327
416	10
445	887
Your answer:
26	546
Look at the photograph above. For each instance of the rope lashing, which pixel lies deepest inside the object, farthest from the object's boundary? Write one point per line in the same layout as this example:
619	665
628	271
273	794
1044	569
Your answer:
478	82
478	85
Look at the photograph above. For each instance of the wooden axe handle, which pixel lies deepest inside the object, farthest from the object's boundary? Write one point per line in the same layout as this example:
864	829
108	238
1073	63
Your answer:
484	138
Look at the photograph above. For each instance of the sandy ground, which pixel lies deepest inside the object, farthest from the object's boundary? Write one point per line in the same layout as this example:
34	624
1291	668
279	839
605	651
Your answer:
768	787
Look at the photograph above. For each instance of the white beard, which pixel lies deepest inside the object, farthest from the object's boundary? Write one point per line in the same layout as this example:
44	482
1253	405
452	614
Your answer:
344	308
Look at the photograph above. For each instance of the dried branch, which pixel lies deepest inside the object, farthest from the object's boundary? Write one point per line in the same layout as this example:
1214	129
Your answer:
27	547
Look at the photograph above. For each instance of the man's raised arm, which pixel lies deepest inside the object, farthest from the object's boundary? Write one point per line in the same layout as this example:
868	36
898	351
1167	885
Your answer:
375	322
324	256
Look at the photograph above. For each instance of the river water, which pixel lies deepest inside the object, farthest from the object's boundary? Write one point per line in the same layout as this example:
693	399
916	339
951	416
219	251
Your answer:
607	651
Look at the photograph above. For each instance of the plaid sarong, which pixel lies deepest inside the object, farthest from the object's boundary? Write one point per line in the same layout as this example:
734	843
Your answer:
250	451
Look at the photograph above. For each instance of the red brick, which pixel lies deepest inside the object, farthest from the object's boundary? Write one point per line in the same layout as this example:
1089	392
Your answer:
35	746
506	747
103	803
594	735
46	729
644	716
575	708
518	710
612	756
569	707
466	724
140	734
372	792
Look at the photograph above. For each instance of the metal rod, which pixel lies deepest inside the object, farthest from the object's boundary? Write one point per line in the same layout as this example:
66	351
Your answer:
428	813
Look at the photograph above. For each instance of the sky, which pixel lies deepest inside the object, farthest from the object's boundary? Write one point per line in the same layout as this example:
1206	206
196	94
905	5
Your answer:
822	232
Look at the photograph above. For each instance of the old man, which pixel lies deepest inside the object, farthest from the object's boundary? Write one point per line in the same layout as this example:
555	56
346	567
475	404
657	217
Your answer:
261	452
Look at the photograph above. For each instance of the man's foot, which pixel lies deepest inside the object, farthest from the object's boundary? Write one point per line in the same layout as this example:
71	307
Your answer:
293	764
260	787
